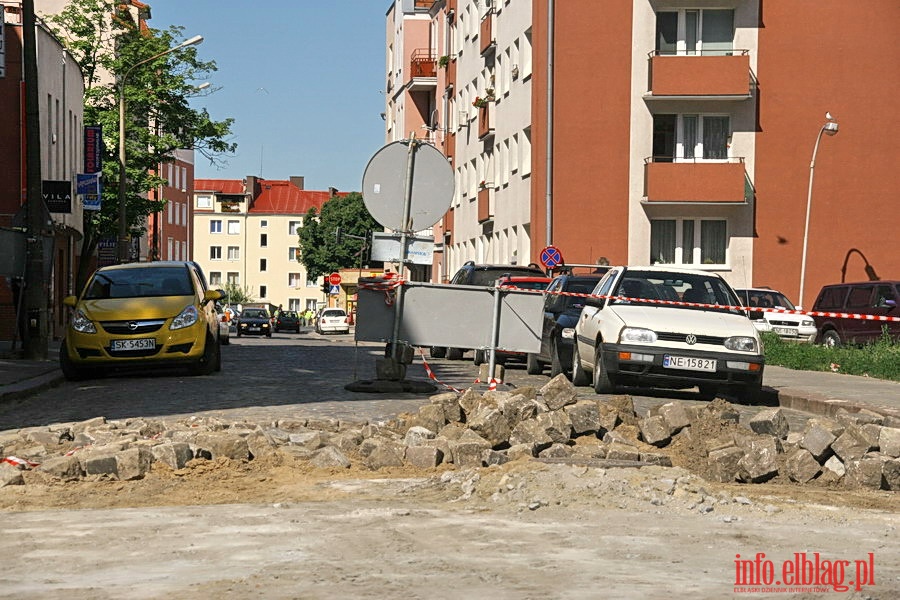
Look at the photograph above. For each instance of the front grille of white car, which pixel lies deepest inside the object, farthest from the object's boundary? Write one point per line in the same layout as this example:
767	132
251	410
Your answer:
711	340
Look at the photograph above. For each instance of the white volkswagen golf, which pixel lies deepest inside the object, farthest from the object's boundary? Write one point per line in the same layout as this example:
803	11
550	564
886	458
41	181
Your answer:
666	327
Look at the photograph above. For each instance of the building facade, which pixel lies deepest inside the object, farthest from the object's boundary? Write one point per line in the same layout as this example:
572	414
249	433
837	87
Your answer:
659	132
246	234
60	97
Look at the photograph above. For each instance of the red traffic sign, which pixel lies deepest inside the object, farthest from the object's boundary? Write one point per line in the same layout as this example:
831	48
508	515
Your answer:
334	279
551	256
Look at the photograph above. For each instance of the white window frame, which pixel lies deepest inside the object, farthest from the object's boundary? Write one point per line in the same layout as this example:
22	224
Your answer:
234	253
234	227
680	138
215	253
215	278
204	201
215	226
293	227
694	260
681	43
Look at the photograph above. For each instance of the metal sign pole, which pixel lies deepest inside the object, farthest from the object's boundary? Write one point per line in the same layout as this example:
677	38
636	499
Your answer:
495	333
404	232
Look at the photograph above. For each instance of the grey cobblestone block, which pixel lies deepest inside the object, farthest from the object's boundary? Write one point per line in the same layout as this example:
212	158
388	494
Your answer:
490	458
801	466
891	474
443	446
609	419
517	408
417	435
835	466
467	454
532	433
817	440
66	468
133	463
518	451
328	424
889	441
851	445
656	458
770	421
865	472
584	416
385	454
469	400
99	464
760	460
329	457
555	451
431	417
622	451
10	475
723	464
675	416
424	457
558	392
174	454
655	431
490	424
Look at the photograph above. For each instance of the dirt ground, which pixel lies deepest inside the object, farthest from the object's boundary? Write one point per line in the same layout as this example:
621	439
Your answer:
274	527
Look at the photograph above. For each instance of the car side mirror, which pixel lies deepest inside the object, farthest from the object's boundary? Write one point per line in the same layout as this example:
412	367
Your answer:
212	295
595	302
890	303
70	301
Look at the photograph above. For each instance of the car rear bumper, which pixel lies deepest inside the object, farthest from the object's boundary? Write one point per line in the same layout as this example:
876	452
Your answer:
644	364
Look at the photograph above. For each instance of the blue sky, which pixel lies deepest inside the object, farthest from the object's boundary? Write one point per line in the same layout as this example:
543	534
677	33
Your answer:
303	80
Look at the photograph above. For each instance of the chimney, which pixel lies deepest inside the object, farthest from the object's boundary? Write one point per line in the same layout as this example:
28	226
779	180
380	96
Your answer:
332	192
297	181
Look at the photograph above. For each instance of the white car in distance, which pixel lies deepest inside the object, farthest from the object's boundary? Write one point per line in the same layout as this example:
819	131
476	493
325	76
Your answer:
793	328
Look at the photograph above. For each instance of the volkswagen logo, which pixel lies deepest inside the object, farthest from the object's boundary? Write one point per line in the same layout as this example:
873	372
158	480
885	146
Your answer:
134	326
691	339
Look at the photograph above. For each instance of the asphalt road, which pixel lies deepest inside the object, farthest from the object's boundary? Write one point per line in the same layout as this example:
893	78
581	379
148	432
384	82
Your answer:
266	379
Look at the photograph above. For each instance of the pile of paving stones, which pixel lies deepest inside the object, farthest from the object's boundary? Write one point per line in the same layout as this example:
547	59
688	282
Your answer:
479	429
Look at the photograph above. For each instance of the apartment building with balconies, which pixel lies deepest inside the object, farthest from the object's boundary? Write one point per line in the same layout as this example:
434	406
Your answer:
246	234
682	134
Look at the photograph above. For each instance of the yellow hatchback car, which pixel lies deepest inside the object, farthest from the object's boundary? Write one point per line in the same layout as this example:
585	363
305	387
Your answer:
143	314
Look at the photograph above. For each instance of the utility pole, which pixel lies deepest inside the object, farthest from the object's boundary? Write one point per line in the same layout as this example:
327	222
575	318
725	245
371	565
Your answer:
35	342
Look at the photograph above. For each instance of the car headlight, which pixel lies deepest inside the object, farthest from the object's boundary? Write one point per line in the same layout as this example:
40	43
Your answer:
185	318
265	325
568	333
81	323
637	334
807	323
741	343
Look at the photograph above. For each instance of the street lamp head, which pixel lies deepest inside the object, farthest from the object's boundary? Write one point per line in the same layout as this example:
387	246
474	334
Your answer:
830	128
191	41
202	86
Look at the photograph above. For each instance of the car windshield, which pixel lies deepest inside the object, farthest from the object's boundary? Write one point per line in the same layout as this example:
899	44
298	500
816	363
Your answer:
527	285
334	313
288	315
253	314
139	283
490	276
578	286
768	299
656	286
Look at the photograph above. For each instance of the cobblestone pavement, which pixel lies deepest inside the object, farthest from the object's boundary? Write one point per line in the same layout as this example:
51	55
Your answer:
266	379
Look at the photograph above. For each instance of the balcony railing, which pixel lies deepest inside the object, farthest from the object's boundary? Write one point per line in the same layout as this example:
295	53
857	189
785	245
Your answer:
485	210
726	76
486	33
485	127
423	63
700	182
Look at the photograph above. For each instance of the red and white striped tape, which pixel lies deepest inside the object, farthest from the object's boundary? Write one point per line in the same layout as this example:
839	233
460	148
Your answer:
20	463
431	375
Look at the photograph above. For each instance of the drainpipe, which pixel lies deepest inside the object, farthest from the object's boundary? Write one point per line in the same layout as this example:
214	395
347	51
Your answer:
549	197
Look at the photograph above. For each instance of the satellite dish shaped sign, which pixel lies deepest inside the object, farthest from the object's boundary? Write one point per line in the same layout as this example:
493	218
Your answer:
384	185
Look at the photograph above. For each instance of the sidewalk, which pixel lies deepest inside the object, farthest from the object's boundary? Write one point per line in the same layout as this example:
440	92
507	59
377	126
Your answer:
809	391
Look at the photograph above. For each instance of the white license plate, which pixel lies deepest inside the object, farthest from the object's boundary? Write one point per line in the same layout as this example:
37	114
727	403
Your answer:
127	345
253	328
785	331
689	363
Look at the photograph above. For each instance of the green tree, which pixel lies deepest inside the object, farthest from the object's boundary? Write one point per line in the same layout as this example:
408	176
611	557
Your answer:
106	44
235	294
320	252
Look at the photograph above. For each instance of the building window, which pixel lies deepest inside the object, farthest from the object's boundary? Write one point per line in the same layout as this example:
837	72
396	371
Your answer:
293	253
215	253
184	214
690	137
234	253
215	226
294	280
262	264
264	223
294	227
262	291
215	278
234	278
688	242
294	304
204	201
691	32
263	240
234	227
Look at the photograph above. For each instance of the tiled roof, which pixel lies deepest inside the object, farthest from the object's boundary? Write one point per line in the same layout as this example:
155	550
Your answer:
274	197
220	186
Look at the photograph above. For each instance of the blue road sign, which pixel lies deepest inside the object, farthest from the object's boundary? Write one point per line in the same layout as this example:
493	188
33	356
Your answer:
551	256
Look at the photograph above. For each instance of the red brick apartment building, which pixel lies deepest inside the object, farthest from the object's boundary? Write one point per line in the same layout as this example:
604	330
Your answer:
680	133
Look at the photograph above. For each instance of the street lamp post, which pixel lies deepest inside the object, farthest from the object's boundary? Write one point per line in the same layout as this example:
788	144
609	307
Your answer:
829	128
123	226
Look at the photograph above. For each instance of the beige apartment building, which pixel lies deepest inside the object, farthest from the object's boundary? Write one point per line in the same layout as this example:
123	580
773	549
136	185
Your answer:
246	233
